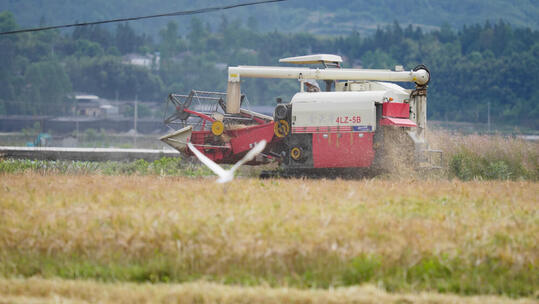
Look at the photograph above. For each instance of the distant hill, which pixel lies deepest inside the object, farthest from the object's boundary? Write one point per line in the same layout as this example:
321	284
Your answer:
314	16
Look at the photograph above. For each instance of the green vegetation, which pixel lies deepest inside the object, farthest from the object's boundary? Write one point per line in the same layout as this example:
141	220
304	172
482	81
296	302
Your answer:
165	166
316	16
467	165
494	157
477	65
432	273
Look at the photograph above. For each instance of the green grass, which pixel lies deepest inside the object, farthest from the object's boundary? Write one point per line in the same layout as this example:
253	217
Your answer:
486	157
429	273
467	165
165	166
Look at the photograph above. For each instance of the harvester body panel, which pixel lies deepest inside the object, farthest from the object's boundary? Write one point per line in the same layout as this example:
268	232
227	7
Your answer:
343	150
335	109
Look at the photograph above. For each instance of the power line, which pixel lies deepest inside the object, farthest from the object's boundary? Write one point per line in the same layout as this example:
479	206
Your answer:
180	13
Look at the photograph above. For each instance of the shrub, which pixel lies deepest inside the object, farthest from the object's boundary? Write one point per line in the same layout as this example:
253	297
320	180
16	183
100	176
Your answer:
487	157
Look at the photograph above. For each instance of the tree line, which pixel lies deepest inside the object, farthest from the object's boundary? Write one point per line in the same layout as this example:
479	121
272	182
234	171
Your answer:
473	67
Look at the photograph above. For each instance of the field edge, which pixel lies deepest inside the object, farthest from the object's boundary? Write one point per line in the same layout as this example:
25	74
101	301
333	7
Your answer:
39	290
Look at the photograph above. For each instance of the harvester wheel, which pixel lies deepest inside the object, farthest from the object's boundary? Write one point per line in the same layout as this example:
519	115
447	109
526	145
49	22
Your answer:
217	128
296	153
281	128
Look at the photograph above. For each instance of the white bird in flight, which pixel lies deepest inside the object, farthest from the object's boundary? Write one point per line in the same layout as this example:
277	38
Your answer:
227	175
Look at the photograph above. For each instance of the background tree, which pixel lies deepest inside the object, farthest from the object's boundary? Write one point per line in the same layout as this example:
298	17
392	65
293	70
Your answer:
479	64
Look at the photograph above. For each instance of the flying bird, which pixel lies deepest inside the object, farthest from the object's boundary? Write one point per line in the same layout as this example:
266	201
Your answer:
227	175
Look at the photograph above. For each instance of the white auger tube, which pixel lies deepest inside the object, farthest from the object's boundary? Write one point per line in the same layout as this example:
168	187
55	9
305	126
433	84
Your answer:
419	76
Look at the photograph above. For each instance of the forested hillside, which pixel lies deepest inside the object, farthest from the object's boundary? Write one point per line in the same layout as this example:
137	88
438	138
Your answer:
313	16
492	62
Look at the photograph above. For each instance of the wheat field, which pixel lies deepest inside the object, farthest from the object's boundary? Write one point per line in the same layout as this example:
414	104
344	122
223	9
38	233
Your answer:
403	236
36	290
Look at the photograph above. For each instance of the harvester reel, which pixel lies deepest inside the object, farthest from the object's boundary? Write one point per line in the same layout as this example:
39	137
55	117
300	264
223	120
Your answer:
179	106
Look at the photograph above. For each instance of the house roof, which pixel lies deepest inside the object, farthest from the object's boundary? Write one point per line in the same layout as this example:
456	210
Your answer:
86	97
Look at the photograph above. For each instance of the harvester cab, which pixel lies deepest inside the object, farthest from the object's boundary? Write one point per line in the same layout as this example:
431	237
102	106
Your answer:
358	118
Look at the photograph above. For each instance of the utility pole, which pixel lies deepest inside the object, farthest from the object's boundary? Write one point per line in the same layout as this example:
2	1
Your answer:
488	117
135	121
77	118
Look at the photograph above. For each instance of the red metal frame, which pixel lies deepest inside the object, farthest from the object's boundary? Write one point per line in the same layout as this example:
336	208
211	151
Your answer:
332	148
396	109
258	120
401	122
396	114
343	150
241	140
201	115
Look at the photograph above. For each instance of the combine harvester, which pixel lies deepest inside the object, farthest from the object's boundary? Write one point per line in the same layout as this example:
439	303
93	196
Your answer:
343	126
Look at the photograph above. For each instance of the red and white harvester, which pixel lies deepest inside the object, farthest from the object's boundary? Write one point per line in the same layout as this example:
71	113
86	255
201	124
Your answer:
341	126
